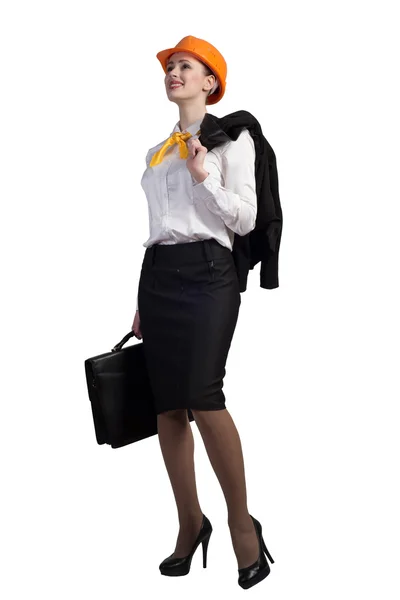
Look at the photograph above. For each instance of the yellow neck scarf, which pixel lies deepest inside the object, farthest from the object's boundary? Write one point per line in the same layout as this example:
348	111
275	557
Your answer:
176	138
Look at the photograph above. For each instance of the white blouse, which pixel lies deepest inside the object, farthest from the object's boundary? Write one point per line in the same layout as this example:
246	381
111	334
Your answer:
183	210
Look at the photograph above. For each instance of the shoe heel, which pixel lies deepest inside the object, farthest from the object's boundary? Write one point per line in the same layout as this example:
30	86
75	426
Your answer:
266	550
205	547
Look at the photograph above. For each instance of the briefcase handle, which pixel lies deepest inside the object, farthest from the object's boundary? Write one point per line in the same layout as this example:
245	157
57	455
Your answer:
123	341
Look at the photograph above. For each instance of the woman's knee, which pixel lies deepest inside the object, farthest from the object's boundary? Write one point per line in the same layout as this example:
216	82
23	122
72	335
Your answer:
179	414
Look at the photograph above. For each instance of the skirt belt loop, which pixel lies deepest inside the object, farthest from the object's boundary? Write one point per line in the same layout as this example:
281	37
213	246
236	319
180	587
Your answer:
208	252
209	256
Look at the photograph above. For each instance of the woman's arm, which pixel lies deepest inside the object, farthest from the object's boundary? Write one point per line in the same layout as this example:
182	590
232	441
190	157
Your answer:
236	201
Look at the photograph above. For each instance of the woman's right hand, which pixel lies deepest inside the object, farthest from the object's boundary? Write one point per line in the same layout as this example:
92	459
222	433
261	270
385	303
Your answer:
136	326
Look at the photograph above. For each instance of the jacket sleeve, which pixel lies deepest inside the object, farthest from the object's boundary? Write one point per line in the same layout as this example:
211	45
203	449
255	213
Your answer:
236	201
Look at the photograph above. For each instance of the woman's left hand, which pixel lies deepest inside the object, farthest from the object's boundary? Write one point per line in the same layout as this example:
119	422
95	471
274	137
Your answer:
195	159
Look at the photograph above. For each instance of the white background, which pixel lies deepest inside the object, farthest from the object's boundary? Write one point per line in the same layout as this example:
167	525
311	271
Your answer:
312	375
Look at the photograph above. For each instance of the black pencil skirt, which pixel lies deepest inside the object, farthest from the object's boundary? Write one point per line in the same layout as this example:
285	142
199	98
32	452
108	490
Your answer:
188	300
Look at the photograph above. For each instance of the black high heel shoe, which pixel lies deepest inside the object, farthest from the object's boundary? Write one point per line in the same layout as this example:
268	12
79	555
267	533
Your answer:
249	576
181	566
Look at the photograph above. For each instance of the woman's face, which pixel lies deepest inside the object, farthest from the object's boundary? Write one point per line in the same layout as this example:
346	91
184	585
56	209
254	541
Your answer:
187	70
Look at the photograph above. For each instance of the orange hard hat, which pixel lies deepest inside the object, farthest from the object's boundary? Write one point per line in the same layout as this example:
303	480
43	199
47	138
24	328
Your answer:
205	52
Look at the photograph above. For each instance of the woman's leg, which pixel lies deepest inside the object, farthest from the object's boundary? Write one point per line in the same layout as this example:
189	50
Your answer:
177	446
223	446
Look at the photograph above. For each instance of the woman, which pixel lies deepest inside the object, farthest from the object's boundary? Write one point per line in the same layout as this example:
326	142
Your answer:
188	302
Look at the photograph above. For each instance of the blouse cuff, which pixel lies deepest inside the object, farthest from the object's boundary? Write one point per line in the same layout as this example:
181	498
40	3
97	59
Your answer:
205	189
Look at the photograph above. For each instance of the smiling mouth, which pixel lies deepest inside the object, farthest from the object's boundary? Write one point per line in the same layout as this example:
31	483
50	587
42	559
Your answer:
173	87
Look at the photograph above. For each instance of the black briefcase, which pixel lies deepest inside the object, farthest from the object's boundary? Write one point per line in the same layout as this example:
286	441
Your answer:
121	396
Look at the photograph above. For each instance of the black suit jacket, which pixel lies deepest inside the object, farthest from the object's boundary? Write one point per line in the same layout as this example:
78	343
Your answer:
263	242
